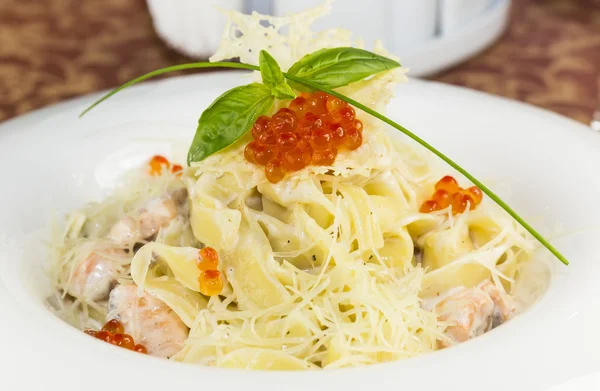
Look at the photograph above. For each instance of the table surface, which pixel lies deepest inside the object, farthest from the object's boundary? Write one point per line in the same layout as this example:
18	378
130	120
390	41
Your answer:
58	49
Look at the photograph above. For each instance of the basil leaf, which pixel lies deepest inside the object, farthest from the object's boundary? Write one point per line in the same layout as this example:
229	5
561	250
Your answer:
269	70
338	67
283	91
273	77
228	118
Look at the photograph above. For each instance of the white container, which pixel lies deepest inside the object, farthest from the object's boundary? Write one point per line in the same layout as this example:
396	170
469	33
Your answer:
427	35
456	14
400	24
192	27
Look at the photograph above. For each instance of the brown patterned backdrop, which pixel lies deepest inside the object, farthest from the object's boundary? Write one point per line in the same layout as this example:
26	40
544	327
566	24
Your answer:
51	50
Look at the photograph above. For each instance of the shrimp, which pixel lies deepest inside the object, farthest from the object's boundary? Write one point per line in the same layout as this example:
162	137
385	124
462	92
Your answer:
504	308
148	320
468	312
157	214
471	312
94	277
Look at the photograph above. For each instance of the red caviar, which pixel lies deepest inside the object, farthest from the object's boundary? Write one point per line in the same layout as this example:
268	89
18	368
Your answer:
159	163
140	349
113	332
207	259
113	326
209	281
123	340
449	193
310	131
176	169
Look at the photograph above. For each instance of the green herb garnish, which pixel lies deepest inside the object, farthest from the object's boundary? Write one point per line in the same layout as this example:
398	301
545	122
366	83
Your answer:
273	77
232	114
337	67
228	118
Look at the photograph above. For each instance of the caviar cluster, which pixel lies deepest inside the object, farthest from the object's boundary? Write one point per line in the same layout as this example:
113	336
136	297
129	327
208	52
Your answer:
114	333
310	131
449	193
159	163
210	277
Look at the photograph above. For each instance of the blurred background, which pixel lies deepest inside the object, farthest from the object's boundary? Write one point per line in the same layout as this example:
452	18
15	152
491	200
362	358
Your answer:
544	52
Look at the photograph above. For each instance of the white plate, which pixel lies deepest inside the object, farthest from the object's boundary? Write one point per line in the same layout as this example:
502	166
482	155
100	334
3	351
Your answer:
53	160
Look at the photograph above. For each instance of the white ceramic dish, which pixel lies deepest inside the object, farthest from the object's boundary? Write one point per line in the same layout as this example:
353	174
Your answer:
51	160
428	36
459	41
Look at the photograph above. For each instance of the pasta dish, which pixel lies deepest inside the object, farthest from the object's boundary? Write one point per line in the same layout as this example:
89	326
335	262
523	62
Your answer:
319	239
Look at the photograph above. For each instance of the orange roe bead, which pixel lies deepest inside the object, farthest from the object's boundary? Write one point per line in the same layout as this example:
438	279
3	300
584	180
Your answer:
316	105
347	115
211	283
339	135
284	121
334	104
324	158
297	159
268	137
264	153
113	326
358	125
104	335
90	332
260	126
286	141
249	151
275	170
321	139
447	183
475	193
306	148
207	259
326	120
297	104
460	202
157	164
353	139
123	340
321	96
442	197
429	206
176	169
307	122
140	349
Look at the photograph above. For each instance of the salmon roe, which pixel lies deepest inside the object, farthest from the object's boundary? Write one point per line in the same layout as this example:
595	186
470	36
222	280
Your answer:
207	259
159	163
449	193
113	333
209	280
310	131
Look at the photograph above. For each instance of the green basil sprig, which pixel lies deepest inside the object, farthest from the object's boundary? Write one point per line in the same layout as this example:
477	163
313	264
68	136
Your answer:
338	67
317	71
228	118
273	77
